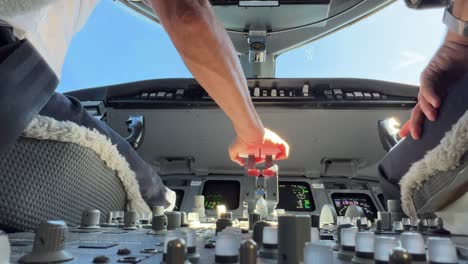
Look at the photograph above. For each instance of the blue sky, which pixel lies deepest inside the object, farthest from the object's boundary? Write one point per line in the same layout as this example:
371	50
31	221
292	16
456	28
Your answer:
119	46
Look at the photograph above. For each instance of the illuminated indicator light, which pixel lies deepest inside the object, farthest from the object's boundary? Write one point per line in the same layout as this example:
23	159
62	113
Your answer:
220	209
393	126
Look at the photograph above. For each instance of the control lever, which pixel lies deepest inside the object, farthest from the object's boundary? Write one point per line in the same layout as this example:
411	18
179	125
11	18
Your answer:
261	181
136	127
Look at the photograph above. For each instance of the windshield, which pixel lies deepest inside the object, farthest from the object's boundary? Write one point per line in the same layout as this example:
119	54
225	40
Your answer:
118	46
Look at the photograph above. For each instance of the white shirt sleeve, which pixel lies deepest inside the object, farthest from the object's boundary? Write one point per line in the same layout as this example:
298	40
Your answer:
50	27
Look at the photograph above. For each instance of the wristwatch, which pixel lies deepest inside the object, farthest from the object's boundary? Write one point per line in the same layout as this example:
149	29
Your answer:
454	24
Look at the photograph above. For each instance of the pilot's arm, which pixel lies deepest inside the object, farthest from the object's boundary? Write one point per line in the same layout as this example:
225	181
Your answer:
447	67
209	54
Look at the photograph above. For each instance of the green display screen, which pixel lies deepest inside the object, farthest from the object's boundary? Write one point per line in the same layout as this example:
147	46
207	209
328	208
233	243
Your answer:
295	196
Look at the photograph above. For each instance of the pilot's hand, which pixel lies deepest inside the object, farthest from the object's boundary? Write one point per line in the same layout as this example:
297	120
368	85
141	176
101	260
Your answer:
270	139
449	64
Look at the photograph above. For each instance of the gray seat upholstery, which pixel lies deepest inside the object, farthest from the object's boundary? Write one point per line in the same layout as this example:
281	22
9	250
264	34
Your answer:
441	189
42	180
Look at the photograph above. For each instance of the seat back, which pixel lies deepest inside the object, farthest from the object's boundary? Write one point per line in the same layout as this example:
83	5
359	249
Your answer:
42	180
438	183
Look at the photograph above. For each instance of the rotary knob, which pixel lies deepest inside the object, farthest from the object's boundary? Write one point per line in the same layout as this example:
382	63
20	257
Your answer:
130	220
364	247
269	248
158	210
441	250
4	249
384	247
254	218
414	244
49	244
227	248
199	205
176	251
248	252
317	253
174	220
90	219
159	225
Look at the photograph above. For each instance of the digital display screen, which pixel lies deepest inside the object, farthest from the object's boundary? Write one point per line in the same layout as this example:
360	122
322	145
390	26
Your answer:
341	201
295	196
179	198
221	193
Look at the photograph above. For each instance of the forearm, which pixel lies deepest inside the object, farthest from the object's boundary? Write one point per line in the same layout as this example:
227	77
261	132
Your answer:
460	9
209	54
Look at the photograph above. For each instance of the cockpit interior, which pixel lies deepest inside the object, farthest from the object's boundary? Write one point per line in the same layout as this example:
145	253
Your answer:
69	199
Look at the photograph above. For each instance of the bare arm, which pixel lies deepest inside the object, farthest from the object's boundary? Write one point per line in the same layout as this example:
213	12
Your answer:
209	54
448	65
460	9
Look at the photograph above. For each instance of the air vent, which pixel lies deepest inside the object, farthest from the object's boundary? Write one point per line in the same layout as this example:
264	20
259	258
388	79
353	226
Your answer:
176	182
335	186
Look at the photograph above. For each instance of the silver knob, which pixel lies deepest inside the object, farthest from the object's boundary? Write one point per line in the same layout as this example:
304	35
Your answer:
441	250
364	246
158	210
49	244
130	220
159	225
384	247
90	219
5	250
174	220
414	243
316	253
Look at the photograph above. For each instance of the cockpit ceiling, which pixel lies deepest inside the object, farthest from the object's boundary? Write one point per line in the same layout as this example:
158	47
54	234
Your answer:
252	15
269	15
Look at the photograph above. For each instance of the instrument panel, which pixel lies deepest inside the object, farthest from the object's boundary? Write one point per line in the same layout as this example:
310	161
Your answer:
311	93
297	195
218	192
342	200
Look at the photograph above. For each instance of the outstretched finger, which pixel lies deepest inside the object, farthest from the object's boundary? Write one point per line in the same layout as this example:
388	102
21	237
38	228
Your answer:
405	130
428	90
284	152
429	111
239	160
417	118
